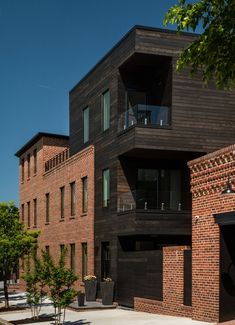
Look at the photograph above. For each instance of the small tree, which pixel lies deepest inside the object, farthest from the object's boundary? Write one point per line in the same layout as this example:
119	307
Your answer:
35	285
15	242
59	280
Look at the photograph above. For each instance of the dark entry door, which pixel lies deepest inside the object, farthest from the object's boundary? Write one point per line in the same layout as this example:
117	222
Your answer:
227	273
139	275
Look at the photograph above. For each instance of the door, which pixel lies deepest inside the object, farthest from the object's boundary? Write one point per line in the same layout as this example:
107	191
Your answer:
227	273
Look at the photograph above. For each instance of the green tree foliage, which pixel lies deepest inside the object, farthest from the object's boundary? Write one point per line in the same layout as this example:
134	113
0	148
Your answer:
15	242
59	279
213	52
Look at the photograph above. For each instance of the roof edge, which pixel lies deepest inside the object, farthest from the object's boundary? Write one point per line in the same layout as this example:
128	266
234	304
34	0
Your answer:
37	137
134	28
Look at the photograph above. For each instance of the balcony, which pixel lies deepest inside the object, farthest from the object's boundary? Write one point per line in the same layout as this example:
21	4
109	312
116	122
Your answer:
145	115
153	202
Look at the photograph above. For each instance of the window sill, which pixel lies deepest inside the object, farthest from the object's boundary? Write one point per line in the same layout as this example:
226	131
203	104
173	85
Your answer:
84	214
47	223
72	217
34	226
61	220
28	179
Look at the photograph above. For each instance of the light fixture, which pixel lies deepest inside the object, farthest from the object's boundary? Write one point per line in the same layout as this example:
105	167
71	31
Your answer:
228	188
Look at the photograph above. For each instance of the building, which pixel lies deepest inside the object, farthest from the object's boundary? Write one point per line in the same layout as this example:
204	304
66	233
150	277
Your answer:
54	198
144	122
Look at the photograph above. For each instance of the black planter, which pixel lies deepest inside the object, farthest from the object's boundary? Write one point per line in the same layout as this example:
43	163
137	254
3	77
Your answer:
107	292
81	299
90	290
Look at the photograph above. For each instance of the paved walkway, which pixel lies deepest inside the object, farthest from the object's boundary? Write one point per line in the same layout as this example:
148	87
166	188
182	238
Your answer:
99	317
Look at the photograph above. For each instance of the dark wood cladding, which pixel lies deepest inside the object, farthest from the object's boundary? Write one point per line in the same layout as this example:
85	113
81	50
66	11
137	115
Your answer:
202	120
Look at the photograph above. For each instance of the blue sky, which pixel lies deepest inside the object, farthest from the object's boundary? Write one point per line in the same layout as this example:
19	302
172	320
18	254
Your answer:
46	47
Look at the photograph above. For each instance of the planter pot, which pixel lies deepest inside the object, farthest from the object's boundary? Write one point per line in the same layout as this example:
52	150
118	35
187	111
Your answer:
107	292
81	299
90	290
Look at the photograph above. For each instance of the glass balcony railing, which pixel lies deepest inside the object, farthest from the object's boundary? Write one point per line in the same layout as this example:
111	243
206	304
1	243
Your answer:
145	115
146	200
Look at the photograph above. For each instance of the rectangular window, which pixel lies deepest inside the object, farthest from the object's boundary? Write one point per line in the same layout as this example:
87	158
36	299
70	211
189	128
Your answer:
84	194
86	125
22	170
62	202
47	249
106	187
22	213
105	260
28	160
84	260
47	207
35	161
35	212
28	206
72	257
62	247
106	110
72	198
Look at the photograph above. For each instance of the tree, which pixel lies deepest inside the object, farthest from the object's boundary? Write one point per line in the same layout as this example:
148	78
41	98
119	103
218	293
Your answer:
213	52
15	242
59	280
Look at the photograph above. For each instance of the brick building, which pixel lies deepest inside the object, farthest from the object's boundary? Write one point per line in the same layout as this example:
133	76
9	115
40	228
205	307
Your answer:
57	197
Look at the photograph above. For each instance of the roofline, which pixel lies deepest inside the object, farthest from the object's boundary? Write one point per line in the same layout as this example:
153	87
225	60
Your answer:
36	138
134	28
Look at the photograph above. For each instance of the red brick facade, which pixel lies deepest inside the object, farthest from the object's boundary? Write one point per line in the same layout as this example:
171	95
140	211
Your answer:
71	229
173	286
209	175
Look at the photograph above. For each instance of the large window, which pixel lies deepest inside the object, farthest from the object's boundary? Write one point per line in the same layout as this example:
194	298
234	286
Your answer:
62	202
86	124
35	161
106	187
28	206
35	212
28	160
72	198
84	260
84	194
22	170
105	260
159	189
47	207
72	257
106	110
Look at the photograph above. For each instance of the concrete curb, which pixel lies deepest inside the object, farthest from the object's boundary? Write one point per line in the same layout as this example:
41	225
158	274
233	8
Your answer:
4	322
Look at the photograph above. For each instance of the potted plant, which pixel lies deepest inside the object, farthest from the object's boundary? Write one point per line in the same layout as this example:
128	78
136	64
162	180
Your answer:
90	287
81	298
107	291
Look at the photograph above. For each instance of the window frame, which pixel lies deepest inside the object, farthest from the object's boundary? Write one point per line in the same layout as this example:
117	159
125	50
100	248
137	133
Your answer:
62	201
106	111
86	124
35	212
105	202
73	199
47	195
85	194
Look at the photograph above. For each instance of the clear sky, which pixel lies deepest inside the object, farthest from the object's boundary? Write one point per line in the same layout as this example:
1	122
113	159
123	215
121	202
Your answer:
46	47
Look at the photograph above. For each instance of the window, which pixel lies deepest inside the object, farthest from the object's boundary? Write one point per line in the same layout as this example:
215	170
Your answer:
106	110
105	260
47	249
22	170
35	212
86	123
47	207
73	198
22	213
62	202
35	161
84	260
84	195
28	160
72	257
62	248
106	187
28	206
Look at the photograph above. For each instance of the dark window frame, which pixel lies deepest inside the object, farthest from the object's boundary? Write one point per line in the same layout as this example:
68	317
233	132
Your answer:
62	201
35	161
84	194
104	114
105	201
28	166
86	124
22	169
22	212
73	257
35	212
28	213
47	207
84	260
72	199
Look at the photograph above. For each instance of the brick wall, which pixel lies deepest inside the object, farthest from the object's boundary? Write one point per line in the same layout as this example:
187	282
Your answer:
76	229
209	175
173	286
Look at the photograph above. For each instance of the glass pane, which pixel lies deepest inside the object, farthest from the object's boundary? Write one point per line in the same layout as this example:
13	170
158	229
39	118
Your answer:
84	195
84	260
106	110
106	187
86	125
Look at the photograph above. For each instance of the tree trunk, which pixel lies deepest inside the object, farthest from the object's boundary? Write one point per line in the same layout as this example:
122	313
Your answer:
6	293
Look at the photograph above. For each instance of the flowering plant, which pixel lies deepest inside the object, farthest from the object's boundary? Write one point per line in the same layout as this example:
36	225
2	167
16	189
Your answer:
89	277
107	279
